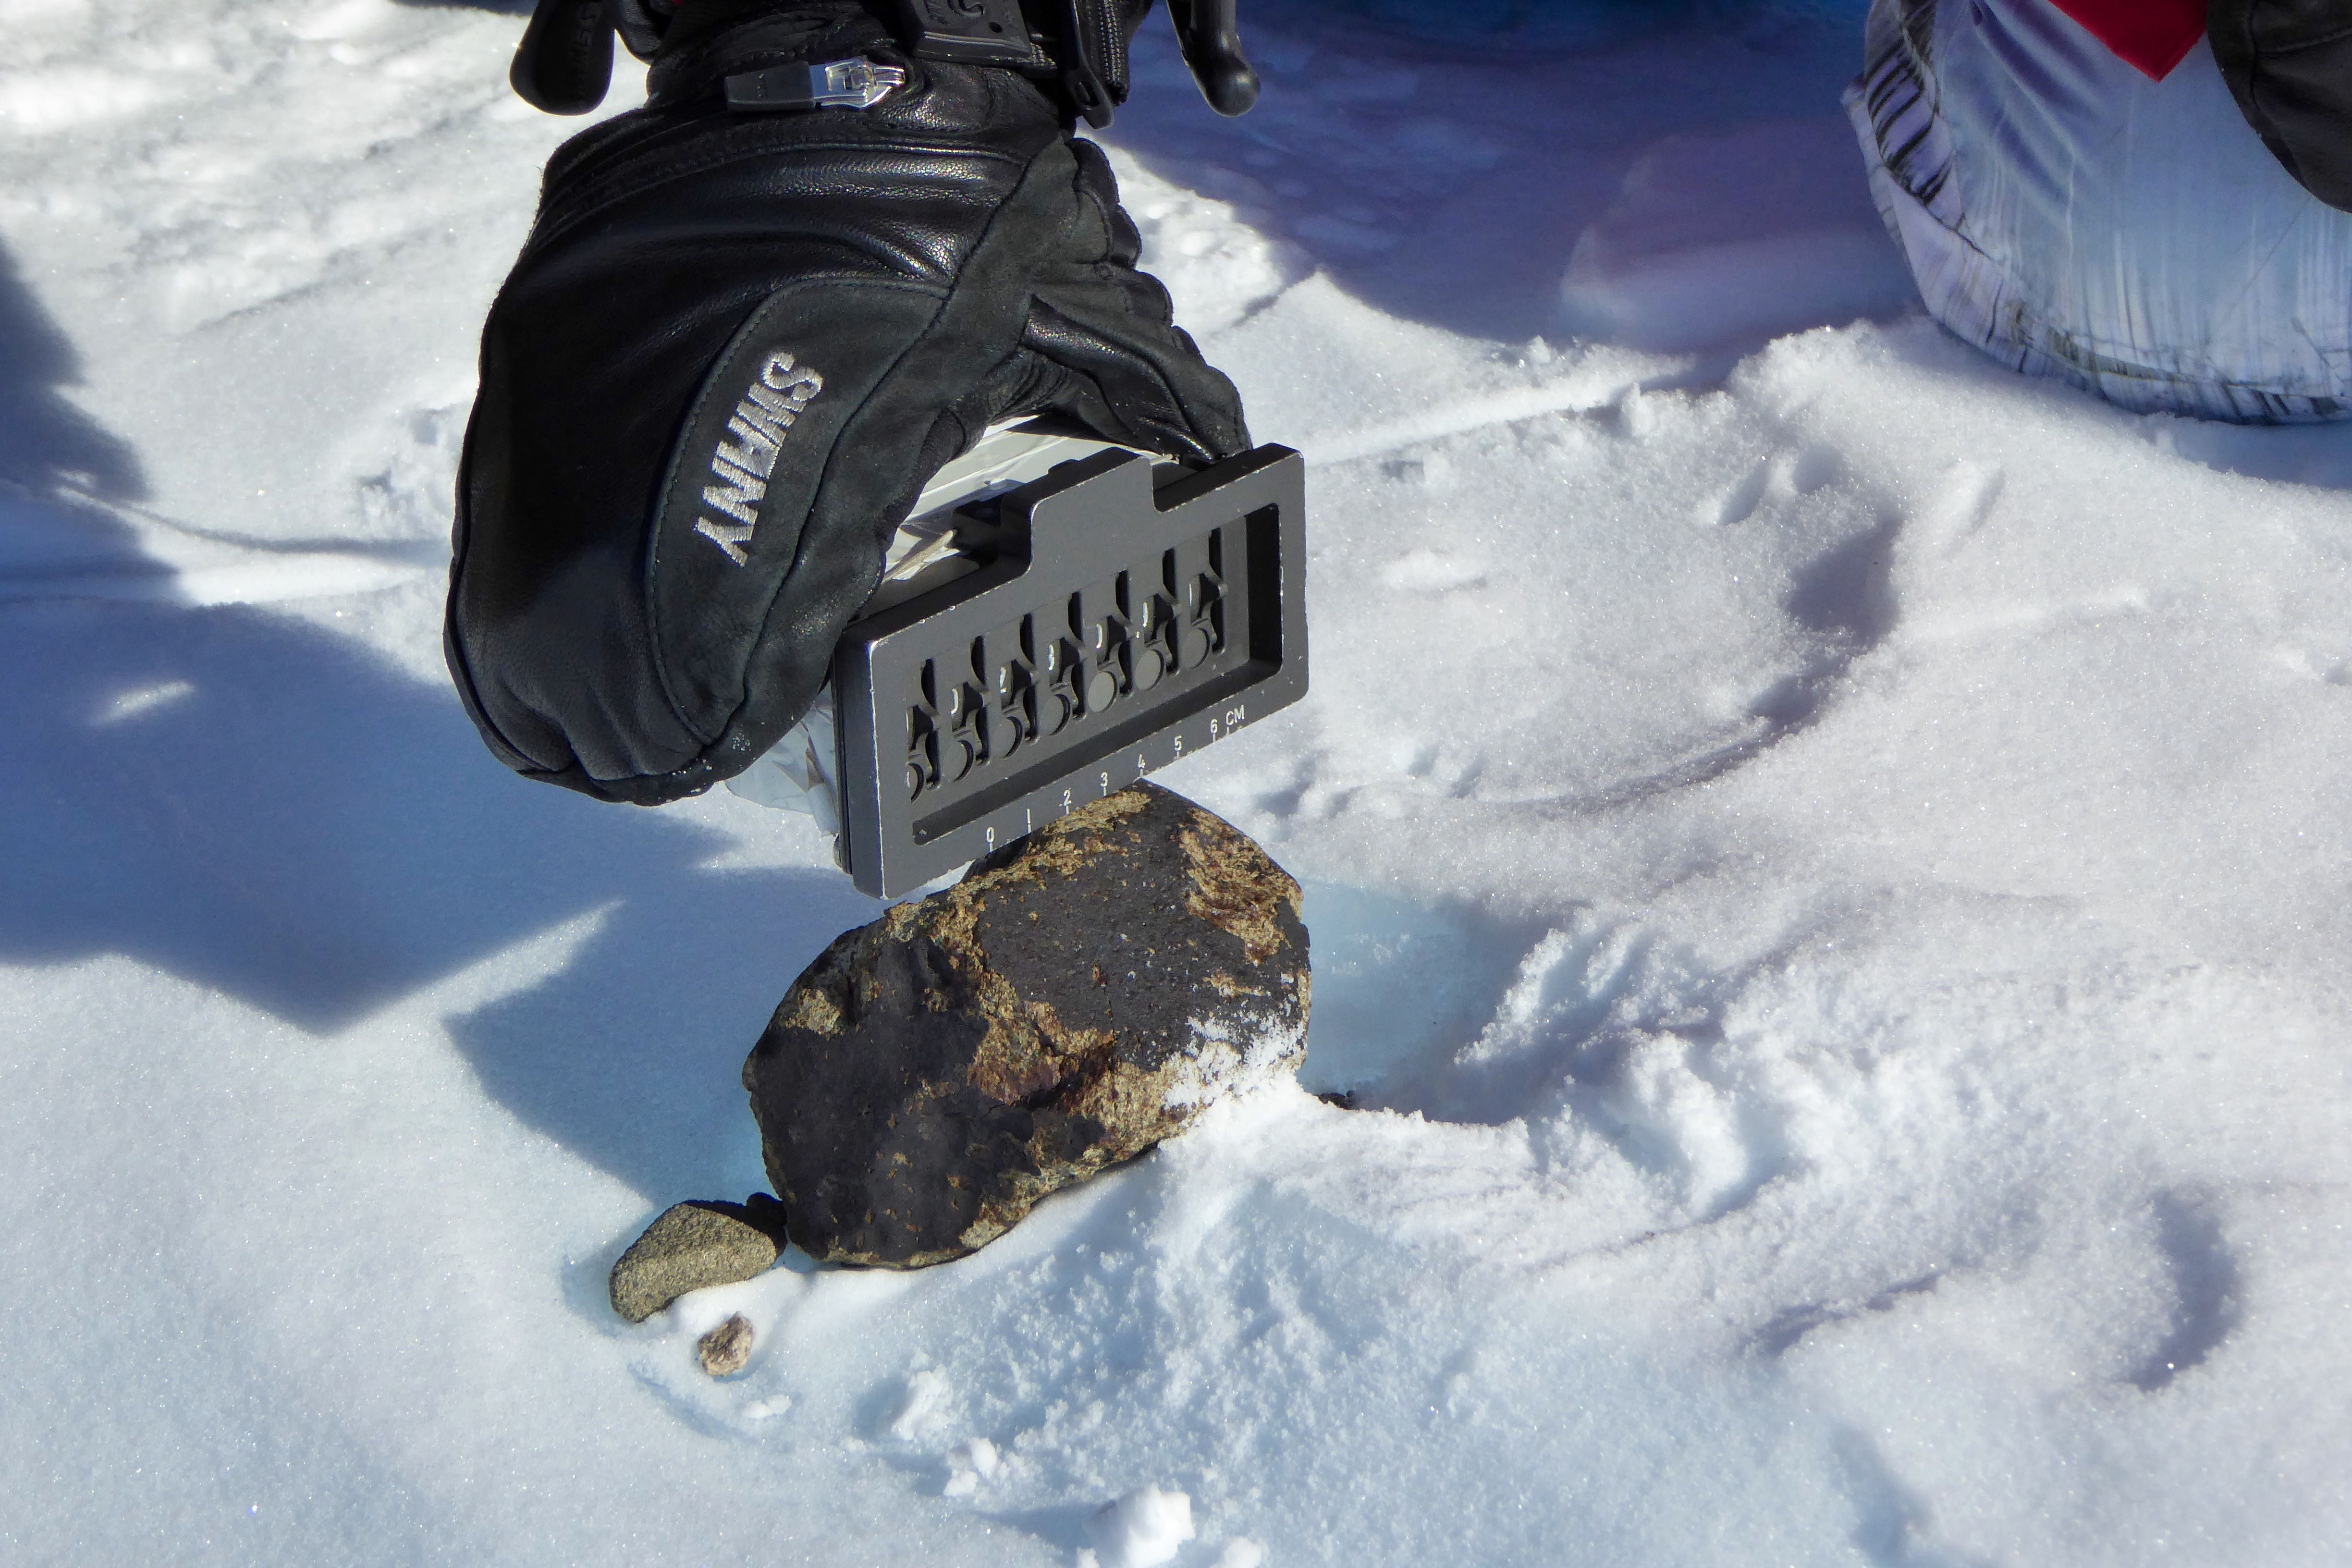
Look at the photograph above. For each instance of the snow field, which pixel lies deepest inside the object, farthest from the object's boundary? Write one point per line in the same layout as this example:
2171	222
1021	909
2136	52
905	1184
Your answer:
1825	864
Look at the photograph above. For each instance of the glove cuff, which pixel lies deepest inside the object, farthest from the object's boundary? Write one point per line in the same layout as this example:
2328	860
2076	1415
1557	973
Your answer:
709	40
1077	48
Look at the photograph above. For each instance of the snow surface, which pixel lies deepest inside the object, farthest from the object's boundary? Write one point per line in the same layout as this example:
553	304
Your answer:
1827	867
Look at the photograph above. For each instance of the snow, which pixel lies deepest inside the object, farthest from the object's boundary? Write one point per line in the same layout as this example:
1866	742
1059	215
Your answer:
1142	1530
1825	861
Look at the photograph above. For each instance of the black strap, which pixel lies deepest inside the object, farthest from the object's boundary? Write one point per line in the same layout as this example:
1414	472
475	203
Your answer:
1078	43
564	63
970	32
1093	58
1211	39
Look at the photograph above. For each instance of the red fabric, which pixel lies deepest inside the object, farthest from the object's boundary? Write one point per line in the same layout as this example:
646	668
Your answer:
2153	35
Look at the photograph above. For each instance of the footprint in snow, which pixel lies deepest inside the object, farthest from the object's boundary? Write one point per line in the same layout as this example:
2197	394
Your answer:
1963	503
1430	572
1783	477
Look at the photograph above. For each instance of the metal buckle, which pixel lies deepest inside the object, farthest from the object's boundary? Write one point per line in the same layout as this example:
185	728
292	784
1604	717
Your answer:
854	83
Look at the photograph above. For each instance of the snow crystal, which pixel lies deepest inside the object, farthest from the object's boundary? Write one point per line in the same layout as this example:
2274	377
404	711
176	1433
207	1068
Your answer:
1239	1054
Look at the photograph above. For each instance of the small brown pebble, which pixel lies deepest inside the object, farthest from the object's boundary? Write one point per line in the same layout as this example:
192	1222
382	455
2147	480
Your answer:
726	1348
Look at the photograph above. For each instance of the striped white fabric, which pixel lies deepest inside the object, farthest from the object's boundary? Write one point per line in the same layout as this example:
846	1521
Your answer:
2074	219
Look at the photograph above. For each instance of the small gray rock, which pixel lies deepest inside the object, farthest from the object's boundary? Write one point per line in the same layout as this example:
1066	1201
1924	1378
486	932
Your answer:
726	1348
691	1246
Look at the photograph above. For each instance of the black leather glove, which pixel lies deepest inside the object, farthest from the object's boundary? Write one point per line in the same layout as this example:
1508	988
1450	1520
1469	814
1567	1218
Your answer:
734	348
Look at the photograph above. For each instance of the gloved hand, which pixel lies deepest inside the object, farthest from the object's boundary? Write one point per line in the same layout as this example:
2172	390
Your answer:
734	347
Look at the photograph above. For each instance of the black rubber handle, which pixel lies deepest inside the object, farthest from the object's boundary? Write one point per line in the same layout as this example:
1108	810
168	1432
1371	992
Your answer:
1212	41
564	64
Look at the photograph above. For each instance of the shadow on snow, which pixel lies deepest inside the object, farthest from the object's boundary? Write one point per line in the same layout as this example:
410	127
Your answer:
1427	178
270	811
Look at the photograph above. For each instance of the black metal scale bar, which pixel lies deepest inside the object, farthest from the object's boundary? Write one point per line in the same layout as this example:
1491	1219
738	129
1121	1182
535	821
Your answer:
1122	615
